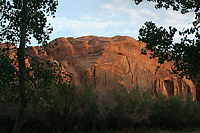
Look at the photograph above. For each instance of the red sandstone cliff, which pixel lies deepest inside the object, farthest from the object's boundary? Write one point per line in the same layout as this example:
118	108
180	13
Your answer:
105	63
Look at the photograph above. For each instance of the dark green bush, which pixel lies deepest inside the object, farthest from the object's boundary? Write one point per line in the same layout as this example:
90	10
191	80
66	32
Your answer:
67	108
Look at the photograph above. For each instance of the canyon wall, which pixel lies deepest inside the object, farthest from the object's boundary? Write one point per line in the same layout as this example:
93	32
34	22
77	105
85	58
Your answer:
105	63
115	62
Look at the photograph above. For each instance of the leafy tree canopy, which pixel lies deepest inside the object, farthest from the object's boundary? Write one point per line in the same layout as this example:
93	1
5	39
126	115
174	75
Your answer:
185	54
11	18
19	21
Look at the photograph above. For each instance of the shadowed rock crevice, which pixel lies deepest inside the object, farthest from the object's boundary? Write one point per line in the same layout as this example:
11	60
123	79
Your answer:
169	86
94	74
130	69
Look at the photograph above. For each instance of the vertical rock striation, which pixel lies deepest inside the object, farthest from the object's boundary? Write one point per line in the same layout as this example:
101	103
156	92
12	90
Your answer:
105	63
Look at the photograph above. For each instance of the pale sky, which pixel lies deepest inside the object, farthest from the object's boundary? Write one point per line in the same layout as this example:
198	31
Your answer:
75	18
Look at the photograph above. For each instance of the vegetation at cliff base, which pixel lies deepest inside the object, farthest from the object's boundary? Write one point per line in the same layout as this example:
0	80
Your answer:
67	108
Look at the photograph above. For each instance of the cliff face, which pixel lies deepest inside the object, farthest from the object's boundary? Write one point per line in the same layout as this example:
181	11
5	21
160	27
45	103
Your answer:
105	63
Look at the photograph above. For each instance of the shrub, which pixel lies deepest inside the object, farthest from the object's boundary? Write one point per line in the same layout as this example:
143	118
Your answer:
67	108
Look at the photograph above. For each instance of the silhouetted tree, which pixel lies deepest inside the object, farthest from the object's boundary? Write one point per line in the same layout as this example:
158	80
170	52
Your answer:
19	20
185	54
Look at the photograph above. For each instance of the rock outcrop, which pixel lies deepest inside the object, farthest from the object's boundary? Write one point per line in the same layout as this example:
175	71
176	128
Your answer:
105	63
41	55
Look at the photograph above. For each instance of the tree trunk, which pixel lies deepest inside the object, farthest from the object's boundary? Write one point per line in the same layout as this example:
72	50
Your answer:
22	69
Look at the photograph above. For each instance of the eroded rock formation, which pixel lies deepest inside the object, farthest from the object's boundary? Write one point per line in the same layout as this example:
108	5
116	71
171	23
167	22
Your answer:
105	63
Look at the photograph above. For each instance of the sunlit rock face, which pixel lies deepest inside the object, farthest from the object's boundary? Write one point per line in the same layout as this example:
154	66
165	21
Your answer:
30	53
41	55
105	63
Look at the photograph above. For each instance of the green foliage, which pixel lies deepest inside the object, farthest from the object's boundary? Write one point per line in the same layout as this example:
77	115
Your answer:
67	108
8	75
36	20
19	20
85	108
169	113
185	54
11	24
41	76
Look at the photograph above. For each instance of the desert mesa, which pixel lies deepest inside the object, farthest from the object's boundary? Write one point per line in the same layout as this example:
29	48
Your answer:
114	62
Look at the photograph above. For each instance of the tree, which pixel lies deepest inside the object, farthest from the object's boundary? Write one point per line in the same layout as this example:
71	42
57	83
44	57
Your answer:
185	55
19	20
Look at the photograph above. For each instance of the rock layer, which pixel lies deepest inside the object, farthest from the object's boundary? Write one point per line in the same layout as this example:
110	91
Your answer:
105	63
